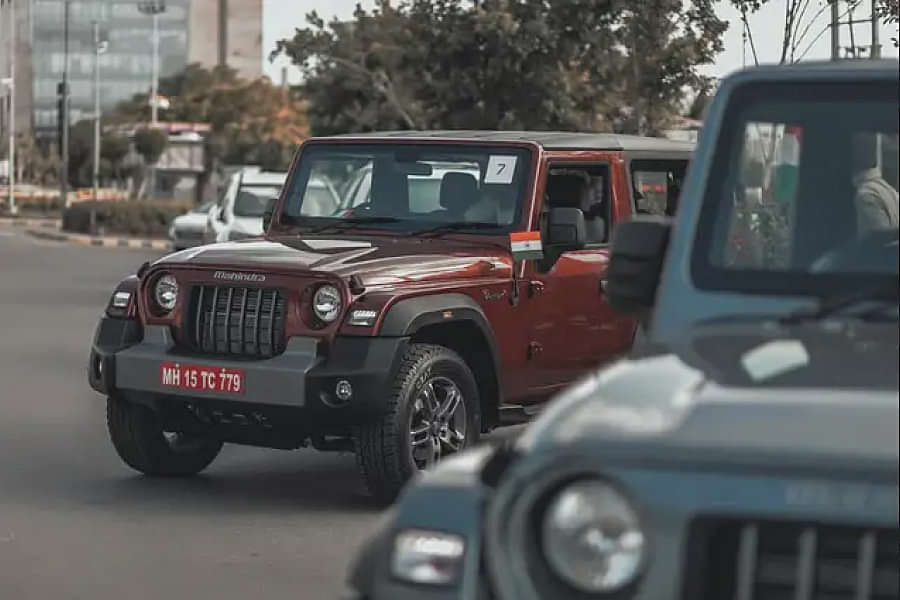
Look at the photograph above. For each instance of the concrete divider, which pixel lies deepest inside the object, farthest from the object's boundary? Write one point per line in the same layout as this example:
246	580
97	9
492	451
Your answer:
104	241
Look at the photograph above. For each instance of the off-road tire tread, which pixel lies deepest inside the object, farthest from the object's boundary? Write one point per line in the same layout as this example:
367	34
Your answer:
132	431
376	443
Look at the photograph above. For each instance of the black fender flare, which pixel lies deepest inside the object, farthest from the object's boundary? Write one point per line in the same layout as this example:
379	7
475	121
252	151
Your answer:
406	317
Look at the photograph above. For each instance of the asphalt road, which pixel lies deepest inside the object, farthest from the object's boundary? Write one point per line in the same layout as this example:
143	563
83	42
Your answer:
76	523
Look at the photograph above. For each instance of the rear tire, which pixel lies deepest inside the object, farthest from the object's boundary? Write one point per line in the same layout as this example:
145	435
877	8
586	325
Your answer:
137	434
385	448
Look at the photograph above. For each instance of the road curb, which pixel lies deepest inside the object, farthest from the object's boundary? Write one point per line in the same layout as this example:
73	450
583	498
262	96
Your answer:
43	223
106	242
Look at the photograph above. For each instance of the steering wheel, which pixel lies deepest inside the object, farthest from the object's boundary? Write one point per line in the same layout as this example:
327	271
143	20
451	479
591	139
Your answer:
877	251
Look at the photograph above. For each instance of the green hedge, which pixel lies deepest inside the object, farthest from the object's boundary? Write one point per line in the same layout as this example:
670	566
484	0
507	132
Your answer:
131	218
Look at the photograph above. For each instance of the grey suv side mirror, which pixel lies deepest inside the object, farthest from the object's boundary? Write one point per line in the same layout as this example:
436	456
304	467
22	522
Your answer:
635	263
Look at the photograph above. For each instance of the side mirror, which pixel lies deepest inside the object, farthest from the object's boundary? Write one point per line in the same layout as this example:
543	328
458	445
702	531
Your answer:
565	229
220	214
267	214
635	263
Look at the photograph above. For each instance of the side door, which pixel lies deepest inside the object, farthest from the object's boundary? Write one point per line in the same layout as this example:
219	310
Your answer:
573	329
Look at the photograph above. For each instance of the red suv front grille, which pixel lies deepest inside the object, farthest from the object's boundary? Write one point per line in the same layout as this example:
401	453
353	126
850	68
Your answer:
237	321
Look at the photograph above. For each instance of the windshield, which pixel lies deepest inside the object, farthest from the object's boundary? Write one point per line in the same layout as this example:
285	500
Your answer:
805	197
252	200
414	184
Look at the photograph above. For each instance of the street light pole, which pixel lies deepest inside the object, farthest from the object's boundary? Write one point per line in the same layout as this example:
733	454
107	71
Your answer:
96	177
154	85
153	8
64	110
876	46
12	108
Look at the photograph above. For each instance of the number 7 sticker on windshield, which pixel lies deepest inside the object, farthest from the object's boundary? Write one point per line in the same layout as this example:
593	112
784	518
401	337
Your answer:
500	169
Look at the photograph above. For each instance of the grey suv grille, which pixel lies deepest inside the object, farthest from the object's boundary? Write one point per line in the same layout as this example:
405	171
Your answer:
237	321
743	560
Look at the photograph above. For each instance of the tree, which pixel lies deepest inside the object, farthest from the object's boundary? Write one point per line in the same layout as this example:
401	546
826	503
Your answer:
113	150
666	40
889	11
150	144
244	115
35	164
81	152
500	64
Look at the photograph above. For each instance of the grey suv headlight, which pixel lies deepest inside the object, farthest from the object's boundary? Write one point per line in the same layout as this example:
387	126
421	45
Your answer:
592	537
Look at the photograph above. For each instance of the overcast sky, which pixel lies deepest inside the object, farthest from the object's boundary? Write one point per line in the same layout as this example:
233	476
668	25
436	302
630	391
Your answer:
283	16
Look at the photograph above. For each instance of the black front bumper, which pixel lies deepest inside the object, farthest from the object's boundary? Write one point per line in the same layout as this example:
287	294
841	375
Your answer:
297	385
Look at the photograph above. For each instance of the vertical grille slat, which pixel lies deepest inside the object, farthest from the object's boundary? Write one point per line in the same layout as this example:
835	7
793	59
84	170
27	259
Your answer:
240	337
228	320
256	313
198	318
865	567
214	310
806	565
748	559
237	321
746	563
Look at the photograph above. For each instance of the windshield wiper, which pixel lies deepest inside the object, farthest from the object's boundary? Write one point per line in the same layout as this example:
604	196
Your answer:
455	226
352	222
830	305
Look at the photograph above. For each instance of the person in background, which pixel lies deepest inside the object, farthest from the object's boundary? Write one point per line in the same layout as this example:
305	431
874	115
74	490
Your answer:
877	202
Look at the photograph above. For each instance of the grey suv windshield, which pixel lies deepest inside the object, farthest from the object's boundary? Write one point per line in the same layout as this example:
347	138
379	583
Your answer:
409	185
252	200
806	197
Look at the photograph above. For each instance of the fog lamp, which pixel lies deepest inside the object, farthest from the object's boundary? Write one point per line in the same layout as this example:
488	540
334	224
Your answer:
343	390
427	557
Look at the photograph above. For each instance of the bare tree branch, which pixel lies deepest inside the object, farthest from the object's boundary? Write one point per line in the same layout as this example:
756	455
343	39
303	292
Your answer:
791	8
797	24
811	22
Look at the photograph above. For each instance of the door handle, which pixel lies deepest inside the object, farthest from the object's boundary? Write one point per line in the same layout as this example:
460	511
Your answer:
535	288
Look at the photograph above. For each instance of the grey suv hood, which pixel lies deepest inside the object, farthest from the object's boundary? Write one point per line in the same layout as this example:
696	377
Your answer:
822	391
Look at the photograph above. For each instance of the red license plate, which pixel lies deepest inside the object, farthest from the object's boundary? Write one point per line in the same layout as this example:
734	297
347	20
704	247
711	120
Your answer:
201	378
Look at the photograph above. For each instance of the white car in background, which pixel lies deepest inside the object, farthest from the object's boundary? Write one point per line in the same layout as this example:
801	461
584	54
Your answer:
187	230
239	213
250	191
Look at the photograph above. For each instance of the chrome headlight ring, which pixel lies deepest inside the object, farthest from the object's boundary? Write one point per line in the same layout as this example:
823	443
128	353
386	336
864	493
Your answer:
164	292
327	303
515	535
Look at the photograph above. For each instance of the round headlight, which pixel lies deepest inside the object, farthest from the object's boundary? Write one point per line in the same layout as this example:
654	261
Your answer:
327	303
165	292
592	537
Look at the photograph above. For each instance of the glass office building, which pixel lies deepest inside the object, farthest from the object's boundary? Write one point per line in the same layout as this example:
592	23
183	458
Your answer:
126	66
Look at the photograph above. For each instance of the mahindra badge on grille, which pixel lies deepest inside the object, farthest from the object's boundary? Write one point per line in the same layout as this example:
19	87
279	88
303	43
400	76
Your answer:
237	276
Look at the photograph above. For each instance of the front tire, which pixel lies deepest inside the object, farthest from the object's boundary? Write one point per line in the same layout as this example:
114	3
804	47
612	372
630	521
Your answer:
433	410
137	434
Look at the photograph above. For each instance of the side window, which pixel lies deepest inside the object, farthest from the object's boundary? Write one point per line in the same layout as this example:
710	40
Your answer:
656	185
586	188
